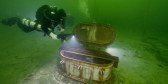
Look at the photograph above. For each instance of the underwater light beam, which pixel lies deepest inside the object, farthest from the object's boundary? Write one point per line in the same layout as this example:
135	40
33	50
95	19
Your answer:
115	51
73	42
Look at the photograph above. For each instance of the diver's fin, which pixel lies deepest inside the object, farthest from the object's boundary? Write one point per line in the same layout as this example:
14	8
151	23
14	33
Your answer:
11	21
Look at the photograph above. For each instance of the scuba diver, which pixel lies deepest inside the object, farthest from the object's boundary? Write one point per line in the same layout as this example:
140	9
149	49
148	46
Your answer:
47	18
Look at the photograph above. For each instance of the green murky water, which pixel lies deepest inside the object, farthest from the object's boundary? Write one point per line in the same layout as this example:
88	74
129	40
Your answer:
141	44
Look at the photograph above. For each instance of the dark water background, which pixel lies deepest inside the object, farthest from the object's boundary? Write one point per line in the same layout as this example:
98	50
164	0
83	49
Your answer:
141	18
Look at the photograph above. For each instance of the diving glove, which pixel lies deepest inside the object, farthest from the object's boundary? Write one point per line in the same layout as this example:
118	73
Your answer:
61	30
53	36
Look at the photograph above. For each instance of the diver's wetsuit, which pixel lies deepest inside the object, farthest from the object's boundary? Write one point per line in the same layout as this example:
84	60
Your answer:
49	17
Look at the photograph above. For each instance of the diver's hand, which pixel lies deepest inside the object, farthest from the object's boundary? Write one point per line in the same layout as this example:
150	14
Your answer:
53	36
61	30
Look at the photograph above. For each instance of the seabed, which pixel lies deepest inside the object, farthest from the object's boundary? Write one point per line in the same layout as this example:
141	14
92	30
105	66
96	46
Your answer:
28	58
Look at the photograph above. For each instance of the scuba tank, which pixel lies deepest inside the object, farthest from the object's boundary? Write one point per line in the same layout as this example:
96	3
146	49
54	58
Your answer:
31	25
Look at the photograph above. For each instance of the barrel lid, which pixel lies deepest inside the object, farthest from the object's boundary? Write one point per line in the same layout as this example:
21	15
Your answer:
95	34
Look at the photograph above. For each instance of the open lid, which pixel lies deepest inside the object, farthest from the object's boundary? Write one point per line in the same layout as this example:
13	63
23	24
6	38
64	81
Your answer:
95	34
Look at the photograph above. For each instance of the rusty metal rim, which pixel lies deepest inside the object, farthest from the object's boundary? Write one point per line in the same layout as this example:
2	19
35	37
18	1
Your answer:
87	55
87	62
72	49
103	65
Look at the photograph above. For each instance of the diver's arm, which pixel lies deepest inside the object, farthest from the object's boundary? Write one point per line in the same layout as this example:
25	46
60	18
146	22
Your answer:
61	29
49	32
62	26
